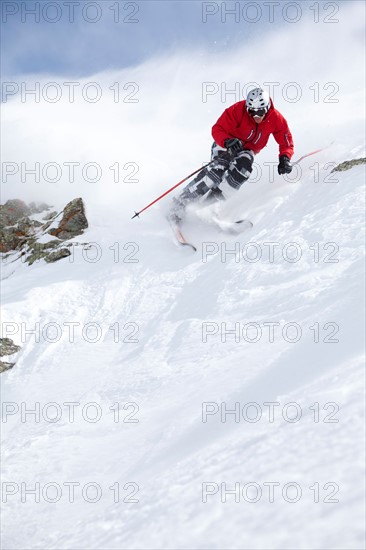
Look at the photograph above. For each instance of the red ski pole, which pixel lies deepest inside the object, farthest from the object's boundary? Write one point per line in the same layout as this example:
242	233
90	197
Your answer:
171	189
312	153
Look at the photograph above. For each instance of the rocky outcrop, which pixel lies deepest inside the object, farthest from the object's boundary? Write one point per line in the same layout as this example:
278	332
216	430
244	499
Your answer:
16	236
12	211
7	347
57	255
348	164
10	239
38	251
20	233
73	221
49	216
15	225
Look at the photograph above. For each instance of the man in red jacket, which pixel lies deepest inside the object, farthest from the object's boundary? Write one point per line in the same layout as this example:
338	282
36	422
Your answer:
240	133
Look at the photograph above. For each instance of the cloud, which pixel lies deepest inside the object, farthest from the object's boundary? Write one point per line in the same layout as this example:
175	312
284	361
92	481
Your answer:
152	122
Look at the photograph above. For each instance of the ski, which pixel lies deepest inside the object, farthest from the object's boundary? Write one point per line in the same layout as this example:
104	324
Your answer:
230	227
177	232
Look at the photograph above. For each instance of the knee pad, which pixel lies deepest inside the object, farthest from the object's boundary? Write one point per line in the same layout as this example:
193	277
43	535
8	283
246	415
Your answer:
216	170
244	160
240	169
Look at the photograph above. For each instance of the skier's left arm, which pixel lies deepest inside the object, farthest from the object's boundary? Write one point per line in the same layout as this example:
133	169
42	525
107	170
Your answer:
284	139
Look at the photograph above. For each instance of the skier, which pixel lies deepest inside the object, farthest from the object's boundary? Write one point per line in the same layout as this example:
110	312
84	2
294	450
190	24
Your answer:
240	133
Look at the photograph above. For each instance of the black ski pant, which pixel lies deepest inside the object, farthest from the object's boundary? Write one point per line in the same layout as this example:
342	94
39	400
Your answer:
227	173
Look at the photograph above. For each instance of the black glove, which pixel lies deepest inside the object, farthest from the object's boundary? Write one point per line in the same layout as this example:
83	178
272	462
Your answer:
284	166
233	145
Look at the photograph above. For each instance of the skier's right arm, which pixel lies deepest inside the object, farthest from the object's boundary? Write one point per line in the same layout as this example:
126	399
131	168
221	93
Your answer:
227	124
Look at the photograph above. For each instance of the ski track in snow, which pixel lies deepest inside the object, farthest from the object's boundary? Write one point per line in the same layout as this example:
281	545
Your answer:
169	372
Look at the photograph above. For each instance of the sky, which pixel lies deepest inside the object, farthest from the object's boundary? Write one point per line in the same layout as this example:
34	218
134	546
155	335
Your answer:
82	38
129	105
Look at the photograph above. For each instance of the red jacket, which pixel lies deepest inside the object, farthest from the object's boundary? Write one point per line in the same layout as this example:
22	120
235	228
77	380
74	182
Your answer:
236	122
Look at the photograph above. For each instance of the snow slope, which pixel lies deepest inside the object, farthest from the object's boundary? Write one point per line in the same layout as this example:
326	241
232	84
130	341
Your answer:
172	363
134	328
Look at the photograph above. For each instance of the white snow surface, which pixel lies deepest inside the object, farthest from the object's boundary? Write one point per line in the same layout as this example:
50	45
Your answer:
169	371
149	304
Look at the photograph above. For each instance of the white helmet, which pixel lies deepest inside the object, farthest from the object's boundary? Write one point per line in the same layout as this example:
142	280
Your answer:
258	99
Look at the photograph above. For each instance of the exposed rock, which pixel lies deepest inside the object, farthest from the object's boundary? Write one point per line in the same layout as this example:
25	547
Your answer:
12	211
73	221
40	250
49	216
47	225
7	347
9	239
15	225
57	255
5	366
348	164
14	237
19	233
28	227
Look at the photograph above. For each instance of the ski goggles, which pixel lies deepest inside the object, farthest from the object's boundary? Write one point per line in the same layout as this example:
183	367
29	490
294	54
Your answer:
257	112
